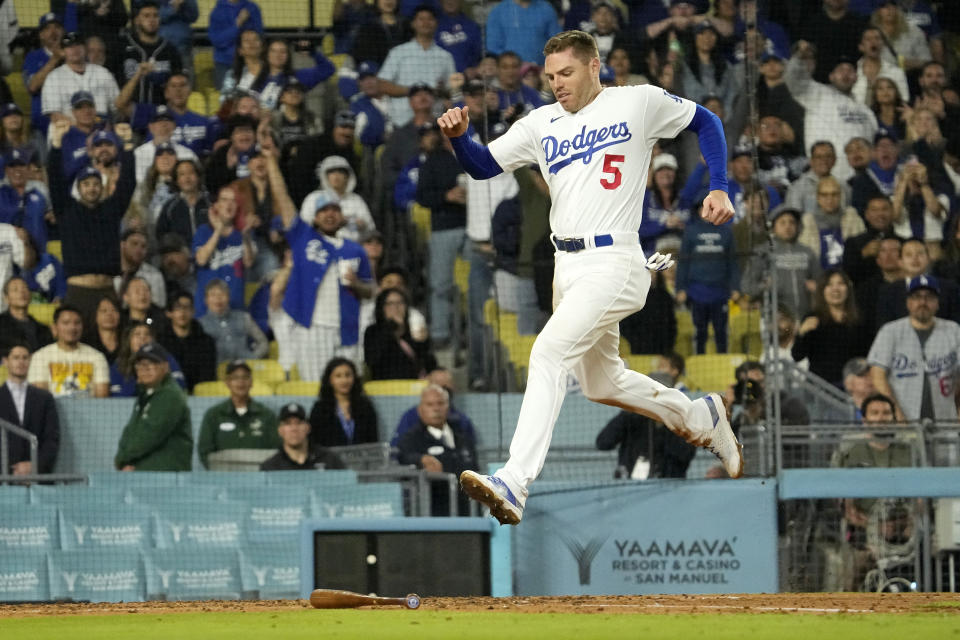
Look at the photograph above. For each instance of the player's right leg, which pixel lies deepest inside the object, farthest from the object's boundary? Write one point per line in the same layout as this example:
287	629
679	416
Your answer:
703	422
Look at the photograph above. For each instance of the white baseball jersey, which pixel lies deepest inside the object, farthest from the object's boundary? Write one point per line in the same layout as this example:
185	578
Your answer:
595	160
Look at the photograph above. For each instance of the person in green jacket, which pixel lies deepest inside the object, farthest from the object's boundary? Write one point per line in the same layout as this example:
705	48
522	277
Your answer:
158	436
240	422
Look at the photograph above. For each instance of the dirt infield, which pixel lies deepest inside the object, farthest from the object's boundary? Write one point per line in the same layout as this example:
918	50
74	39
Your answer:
808	603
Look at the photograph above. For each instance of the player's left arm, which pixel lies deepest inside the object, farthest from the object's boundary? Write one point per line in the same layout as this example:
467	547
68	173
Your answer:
717	207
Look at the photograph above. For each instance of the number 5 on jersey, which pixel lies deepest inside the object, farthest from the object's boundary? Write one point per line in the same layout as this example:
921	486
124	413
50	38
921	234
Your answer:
611	166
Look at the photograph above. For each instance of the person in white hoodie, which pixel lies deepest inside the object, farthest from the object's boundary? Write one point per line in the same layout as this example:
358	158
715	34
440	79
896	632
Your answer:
338	182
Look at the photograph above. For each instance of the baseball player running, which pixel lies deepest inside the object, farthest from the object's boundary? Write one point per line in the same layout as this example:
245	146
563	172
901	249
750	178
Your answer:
593	147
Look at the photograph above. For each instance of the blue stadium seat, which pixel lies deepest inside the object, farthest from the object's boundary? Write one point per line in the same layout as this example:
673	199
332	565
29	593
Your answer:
117	479
226	478
176	574
14	495
28	528
24	575
205	525
97	576
325	478
273	512
271	571
167	495
76	495
106	527
374	500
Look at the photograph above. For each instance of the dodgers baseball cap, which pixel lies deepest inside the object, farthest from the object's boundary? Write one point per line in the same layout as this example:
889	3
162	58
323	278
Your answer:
474	87
152	351
292	410
233	365
367	68
10	108
770	55
82	97
17	157
71	38
606	74
171	243
884	133
924	282
744	149
88	172
47	18
292	84
324	201
664	161
345	118
844	59
162	112
704	26
165	147
417	87
105	136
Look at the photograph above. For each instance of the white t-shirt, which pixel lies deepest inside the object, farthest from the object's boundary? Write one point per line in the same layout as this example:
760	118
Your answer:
595	161
63	82
68	373
11	253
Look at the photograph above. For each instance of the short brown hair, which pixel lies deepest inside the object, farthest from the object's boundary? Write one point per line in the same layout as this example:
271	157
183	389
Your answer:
582	43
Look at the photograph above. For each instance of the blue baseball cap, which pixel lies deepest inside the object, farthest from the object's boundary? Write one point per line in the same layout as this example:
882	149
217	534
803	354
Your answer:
166	147
162	112
606	74
324	201
924	282
17	157
105	136
88	172
9	109
367	68
47	18
81	97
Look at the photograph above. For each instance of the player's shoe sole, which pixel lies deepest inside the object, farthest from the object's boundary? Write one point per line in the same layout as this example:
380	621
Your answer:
491	492
721	439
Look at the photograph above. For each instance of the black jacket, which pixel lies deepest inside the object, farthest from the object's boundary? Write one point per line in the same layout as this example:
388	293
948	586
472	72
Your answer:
437	176
637	435
165	58
419	442
31	332
39	418
177	217
90	235
197	353
282	462
300	166
387	361
326	431
653	329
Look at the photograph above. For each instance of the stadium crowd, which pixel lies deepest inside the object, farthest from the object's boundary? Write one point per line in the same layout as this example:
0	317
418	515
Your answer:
312	213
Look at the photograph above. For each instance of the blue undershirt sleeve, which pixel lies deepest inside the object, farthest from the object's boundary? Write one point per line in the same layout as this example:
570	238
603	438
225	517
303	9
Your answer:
713	145
475	158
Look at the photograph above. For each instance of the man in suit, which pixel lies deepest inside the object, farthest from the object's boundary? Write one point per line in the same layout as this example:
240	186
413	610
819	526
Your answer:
31	408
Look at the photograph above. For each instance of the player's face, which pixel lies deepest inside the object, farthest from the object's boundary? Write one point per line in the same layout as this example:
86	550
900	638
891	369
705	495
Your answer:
574	82
341	379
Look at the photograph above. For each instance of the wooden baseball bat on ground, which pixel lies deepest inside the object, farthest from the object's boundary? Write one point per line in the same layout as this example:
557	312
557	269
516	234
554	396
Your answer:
337	599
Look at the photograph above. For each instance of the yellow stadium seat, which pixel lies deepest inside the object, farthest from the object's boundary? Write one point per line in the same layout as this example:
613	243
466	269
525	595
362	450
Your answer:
218	388
394	387
685	333
213	101
420	216
461	275
297	388
745	333
338	60
3	374
197	102
266	370
274	351
624	347
249	290
642	363
55	248
42	312
328	44
712	372
19	92
203	65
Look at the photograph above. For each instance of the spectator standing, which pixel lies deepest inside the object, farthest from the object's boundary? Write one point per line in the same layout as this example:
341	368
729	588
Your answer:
663	211
123	381
239	422
459	35
227	20
69	367
832	113
872	66
708	276
802	192
329	277
523	26
37	65
235	333
229	161
76	74
89	225
390	351
420	60
908	45
158	436
192	130
383	30
338	183
343	414
187	342
295	453
103	19
438	444
146	55
30	408
913	360
222	252
176	16
918	211
514	97
370	108
888	105
834	31
277	70
860	252
879	177
17	326
825	229
834	332
442	188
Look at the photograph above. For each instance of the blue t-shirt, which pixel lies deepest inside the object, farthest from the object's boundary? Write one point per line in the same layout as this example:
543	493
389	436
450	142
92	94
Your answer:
47	278
226	263
25	211
461	37
33	62
194	131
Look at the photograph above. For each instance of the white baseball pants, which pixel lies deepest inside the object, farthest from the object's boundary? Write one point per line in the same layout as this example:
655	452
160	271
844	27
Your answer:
593	290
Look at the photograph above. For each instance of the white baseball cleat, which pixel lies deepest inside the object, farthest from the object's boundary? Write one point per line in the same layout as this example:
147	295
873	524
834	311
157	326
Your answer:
720	439
494	494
